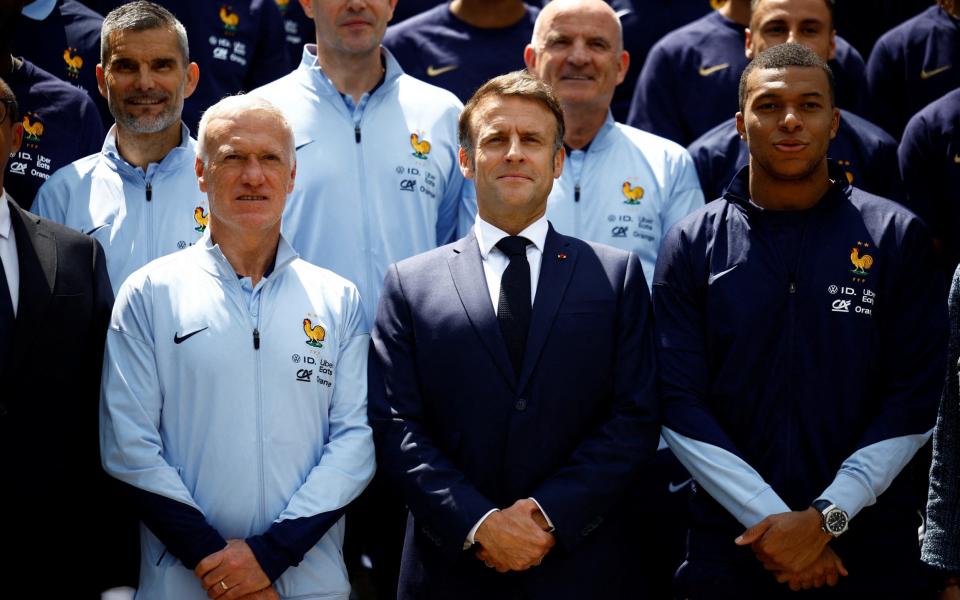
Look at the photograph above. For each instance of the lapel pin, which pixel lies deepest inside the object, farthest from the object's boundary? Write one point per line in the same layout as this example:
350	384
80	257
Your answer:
561	256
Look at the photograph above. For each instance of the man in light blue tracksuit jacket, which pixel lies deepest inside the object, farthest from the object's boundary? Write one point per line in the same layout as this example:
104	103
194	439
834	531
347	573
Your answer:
138	196
379	179
234	391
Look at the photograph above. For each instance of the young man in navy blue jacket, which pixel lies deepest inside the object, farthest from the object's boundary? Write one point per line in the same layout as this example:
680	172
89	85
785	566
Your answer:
801	341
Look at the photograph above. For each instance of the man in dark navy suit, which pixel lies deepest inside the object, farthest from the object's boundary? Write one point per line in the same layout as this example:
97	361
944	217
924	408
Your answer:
513	431
55	301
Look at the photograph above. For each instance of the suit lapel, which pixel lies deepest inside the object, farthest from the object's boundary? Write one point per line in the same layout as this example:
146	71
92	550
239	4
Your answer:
466	267
556	268
37	257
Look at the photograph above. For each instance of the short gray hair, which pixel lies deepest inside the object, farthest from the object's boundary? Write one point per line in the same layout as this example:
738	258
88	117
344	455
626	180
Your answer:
141	15
241	103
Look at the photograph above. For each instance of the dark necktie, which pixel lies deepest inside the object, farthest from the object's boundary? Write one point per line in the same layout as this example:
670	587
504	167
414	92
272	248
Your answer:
7	319
513	307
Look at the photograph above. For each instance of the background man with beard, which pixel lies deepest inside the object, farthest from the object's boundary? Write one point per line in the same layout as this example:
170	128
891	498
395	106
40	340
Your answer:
139	195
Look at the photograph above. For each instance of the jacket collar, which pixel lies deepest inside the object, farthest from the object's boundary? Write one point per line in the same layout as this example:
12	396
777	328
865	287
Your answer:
738	191
184	152
311	74
212	260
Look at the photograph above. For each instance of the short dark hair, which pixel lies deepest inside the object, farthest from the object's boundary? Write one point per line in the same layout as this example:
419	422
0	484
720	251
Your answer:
831	7
141	15
518	84
783	56
8	98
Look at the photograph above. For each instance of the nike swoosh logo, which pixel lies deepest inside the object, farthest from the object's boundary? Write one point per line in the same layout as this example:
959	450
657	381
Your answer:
433	71
924	74
179	340
674	488
715	276
95	229
704	71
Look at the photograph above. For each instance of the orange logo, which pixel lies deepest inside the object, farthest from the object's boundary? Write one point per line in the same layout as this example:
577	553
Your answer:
33	130
229	18
633	194
73	60
861	264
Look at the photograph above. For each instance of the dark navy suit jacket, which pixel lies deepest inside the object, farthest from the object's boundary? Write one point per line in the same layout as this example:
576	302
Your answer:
461	434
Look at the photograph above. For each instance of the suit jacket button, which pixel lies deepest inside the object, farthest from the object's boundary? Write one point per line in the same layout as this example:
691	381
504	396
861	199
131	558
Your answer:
521	404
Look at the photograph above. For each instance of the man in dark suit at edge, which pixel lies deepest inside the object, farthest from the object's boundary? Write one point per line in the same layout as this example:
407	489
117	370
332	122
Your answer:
513	432
55	301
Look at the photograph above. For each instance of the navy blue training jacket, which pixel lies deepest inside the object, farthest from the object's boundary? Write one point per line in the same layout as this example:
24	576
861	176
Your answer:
792	366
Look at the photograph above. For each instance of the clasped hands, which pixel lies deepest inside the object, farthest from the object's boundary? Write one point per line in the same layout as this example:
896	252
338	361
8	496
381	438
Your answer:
238	570
515	538
795	548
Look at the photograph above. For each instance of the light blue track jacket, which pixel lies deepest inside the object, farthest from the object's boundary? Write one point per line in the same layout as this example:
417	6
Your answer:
626	190
377	182
192	411
136	216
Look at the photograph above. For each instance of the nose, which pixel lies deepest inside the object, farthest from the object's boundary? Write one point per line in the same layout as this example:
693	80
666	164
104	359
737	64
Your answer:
144	77
252	171
578	53
514	149
793	37
791	119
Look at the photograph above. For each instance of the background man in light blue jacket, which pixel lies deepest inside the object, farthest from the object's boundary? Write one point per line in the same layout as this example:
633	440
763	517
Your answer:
234	391
138	196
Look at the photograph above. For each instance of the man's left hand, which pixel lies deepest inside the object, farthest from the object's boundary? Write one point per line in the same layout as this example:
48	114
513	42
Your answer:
788	541
232	572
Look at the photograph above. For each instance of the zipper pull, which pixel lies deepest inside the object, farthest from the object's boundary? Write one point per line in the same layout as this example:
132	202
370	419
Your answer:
356	132
256	338
149	191
793	285
576	193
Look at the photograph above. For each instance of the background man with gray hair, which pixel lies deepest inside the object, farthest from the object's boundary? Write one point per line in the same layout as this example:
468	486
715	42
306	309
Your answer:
234	393
138	196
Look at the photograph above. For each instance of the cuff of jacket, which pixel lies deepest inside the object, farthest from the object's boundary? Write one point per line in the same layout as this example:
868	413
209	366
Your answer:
286	542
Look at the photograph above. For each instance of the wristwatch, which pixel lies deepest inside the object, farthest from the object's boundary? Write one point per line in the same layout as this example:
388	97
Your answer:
833	519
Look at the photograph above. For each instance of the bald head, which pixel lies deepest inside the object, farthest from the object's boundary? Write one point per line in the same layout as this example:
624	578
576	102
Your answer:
597	9
577	48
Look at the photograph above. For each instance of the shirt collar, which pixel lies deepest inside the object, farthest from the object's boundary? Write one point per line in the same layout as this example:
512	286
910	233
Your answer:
6	226
39	10
215	262
308	62
488	235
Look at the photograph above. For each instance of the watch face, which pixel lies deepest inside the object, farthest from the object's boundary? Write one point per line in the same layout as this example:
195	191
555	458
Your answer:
836	522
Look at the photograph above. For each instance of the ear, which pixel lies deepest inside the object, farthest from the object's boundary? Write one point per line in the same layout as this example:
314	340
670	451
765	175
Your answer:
101	80
833	45
748	44
835	123
558	158
530	58
466	165
16	137
307	8
193	78
198	168
741	126
622	65
293	177
393	7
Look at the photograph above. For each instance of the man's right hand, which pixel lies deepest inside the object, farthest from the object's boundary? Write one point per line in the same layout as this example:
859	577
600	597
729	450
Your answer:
511	539
825	569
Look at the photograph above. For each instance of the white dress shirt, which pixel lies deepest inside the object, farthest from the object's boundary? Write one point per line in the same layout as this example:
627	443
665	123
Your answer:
8	252
495	262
